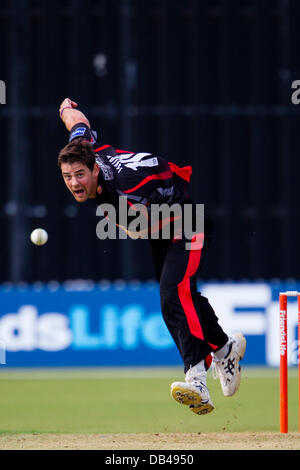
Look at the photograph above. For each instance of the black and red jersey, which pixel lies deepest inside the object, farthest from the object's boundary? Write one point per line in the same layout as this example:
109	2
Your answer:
141	177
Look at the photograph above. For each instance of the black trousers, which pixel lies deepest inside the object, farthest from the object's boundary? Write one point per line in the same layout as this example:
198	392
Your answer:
188	315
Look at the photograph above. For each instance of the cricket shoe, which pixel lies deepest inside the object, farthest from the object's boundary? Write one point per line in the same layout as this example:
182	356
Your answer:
228	368
193	392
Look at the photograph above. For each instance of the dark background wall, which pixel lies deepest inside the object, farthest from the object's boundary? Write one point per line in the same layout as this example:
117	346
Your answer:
201	82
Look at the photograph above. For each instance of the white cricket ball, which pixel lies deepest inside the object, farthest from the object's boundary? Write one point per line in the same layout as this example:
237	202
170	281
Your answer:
39	236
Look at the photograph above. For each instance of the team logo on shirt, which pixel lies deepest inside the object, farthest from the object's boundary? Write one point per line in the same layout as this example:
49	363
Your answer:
132	161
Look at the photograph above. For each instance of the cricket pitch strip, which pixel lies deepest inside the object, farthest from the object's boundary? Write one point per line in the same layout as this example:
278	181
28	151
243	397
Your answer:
149	441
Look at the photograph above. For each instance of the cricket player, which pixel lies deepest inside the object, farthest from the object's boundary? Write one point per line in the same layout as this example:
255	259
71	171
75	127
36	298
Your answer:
92	170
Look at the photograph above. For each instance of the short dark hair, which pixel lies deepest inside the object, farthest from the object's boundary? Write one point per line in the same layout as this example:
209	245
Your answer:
78	150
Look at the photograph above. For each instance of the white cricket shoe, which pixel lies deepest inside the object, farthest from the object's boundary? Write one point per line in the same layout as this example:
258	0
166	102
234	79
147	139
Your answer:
228	369
193	392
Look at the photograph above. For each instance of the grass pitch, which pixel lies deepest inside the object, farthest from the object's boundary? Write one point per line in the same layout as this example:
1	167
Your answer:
108	401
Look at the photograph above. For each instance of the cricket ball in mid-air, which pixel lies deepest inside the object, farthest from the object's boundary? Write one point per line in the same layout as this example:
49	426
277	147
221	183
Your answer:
39	236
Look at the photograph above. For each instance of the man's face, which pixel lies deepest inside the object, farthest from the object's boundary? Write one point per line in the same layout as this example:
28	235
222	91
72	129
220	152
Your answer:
80	180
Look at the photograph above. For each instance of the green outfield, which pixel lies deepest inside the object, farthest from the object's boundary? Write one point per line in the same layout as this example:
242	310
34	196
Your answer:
135	401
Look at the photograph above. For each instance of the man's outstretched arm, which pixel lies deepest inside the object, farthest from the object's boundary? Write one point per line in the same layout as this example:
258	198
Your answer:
70	115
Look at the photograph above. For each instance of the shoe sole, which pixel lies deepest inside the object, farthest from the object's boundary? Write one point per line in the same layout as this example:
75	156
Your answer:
203	409
191	399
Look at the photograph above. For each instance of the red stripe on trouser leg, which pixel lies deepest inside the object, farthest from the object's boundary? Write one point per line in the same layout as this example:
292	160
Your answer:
195	255
184	291
184	288
185	297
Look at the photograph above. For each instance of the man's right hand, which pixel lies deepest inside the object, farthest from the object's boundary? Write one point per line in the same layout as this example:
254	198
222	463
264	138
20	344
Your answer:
70	115
67	104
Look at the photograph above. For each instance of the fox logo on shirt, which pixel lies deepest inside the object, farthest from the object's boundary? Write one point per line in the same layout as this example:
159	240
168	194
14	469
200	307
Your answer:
132	161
